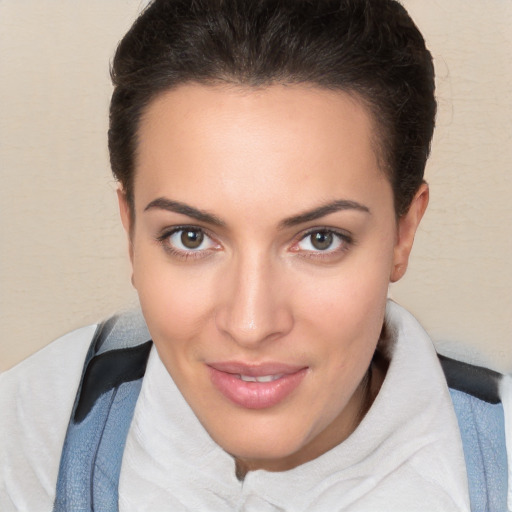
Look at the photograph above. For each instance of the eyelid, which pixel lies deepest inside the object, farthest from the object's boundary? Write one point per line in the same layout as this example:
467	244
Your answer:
166	233
346	238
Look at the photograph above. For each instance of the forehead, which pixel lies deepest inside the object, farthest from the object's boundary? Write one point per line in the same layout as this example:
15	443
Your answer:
238	143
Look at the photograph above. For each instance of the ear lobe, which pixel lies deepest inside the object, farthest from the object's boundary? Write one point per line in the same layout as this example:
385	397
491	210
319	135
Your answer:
407	226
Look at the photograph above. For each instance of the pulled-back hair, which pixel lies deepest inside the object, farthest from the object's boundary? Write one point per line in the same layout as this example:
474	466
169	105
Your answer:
369	48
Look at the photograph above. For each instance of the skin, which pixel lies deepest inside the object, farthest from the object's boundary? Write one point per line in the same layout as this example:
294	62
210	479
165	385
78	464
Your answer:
257	289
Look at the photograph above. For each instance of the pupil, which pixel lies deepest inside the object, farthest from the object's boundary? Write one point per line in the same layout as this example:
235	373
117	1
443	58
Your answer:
191	239
321	240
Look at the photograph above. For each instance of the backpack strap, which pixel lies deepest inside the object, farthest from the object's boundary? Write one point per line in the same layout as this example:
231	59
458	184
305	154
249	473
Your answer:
103	410
475	395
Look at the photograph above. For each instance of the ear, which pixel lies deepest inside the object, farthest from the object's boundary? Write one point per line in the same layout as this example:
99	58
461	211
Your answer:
126	219
407	226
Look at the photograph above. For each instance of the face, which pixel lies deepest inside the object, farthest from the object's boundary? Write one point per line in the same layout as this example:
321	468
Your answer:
263	243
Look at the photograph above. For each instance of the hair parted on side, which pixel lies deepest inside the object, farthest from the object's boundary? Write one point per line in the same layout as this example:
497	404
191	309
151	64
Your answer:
369	48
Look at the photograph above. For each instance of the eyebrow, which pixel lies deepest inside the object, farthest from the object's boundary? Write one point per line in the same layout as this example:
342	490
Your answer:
163	203
321	211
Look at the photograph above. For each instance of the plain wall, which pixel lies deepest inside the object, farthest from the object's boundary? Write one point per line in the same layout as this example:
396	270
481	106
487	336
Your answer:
63	259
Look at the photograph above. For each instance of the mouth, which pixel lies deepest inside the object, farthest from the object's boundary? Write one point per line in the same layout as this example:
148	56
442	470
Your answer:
256	386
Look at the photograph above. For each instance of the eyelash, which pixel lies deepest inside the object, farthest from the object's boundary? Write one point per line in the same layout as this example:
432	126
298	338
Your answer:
345	239
163	240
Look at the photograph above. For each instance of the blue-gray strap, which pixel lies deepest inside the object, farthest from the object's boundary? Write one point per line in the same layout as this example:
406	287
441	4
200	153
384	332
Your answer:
93	449
482	428
475	395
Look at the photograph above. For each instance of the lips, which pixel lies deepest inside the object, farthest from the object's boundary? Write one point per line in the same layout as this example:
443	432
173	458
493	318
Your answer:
256	386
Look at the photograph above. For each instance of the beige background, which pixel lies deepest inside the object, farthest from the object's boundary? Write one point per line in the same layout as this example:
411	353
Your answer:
62	250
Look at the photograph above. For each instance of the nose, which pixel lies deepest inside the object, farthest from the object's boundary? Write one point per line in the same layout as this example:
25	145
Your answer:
255	306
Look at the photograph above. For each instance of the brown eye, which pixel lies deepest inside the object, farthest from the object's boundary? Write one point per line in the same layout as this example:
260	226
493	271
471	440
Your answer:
192	238
187	241
322	240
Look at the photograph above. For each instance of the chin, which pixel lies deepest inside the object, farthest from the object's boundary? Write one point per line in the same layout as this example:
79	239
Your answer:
267	444
266	449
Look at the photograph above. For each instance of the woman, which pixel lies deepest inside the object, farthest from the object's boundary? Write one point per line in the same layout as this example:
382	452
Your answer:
270	156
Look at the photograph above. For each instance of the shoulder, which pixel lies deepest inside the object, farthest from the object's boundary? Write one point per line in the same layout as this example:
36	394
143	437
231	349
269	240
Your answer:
482	402
47	373
36	399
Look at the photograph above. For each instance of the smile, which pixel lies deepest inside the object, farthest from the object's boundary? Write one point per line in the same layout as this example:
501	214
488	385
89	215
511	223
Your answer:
263	378
256	387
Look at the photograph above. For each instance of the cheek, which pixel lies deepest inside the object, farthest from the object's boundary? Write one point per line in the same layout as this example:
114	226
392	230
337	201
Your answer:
176	300
347	299
344	312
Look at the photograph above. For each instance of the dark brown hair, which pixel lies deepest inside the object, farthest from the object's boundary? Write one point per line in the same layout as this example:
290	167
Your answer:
370	48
